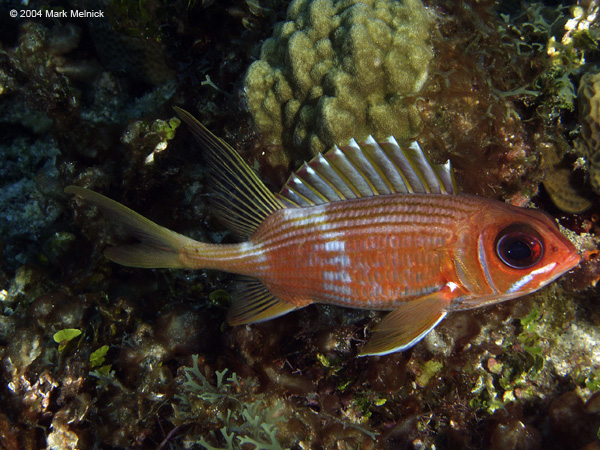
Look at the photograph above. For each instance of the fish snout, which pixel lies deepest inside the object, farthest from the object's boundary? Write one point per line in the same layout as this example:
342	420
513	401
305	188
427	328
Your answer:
568	260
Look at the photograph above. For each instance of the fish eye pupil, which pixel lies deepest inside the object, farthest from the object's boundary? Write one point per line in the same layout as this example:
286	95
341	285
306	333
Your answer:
519	249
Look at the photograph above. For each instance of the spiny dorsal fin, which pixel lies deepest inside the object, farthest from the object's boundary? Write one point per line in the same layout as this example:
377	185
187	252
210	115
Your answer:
366	169
241	198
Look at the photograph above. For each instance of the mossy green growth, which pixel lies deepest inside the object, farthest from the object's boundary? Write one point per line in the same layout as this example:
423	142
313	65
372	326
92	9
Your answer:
485	396
365	403
428	370
166	129
220	298
530	340
55	247
341	69
592	382
135	18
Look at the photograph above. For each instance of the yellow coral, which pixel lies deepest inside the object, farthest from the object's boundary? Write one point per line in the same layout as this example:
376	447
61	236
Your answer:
340	69
588	144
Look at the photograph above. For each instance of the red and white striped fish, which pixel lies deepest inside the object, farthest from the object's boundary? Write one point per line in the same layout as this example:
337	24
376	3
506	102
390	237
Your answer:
367	225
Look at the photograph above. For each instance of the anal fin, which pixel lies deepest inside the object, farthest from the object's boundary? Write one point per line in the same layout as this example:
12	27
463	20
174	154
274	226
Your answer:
408	324
252	303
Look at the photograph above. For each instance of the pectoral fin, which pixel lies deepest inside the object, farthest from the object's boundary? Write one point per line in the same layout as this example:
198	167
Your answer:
408	324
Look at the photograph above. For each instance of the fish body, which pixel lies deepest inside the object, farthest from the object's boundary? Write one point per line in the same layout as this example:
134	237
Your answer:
361	235
378	253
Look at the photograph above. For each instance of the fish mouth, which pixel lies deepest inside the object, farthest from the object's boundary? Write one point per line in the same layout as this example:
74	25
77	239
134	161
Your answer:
572	261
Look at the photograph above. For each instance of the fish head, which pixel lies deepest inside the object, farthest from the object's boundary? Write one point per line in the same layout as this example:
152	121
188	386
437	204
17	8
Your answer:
521	250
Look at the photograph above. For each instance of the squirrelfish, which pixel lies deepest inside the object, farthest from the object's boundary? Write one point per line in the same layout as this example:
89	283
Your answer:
369	225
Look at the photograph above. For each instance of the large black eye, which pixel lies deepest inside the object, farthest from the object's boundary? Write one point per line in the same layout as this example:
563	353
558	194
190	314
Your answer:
519	247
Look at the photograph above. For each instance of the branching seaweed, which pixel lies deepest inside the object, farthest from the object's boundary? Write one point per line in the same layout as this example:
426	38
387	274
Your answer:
238	417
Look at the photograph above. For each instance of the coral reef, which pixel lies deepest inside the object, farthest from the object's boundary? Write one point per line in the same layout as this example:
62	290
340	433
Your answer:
55	104
481	94
139	56
563	183
29	196
340	69
567	53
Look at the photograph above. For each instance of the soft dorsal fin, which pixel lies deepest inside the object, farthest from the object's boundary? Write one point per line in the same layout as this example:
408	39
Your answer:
366	169
241	199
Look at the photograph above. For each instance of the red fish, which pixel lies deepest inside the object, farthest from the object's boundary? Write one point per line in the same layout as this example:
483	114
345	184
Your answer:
368	225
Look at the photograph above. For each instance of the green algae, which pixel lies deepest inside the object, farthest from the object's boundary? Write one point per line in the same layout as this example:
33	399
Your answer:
63	337
97	357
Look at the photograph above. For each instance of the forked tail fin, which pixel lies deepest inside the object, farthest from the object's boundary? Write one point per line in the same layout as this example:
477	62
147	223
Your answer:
159	246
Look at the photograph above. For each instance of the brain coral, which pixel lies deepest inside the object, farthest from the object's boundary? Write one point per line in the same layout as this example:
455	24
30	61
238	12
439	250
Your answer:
588	144
340	69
